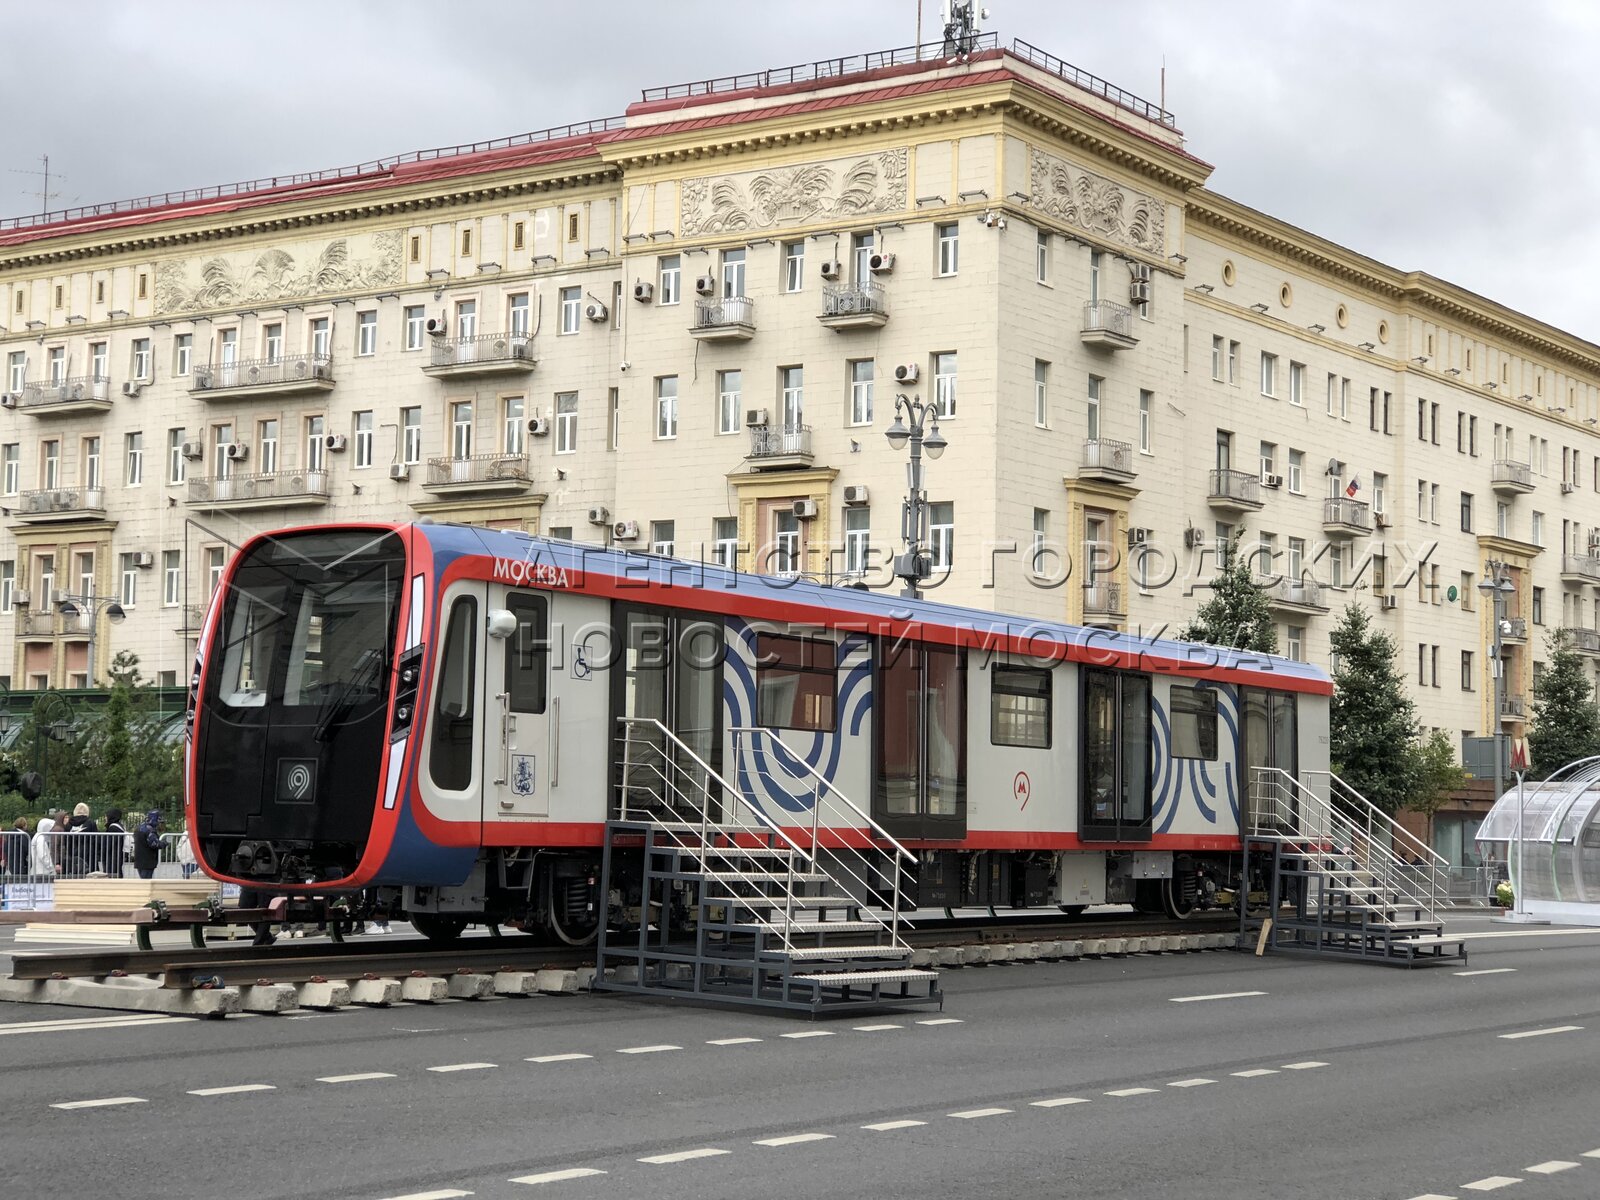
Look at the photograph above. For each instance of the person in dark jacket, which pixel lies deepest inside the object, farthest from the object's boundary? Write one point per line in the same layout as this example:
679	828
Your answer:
81	857
147	845
112	853
14	863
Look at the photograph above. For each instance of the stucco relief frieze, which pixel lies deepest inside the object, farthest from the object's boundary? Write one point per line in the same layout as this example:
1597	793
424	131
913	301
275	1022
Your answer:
1097	205
836	189
294	272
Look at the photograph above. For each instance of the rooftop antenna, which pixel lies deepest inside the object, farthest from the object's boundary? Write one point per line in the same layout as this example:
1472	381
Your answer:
44	194
960	27
1163	83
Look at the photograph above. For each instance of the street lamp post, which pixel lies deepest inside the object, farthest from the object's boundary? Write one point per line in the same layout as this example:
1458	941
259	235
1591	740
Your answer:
913	566
72	606
1499	588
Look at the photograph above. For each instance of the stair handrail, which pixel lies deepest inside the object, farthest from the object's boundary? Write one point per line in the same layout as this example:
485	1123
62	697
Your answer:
1436	864
824	785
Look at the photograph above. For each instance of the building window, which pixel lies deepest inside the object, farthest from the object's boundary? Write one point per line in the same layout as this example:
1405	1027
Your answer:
733	274
366	334
267	438
1019	706
177	465
1294	638
411	436
663	538
666	407
515	424
857	539
791	396
91	462
942	534
796	682
517	315
613	418
1041	393
861	380
416	248
133	459
1536	528
1295	562
1092	409
143	362
1233	362
1041	257
794	265
1297	384
216	560
57	370
86	585
861	245
467	319
228	348
8	584
1269	459
571	309
363	438
321	338
461	429
98	360
671	283
316	443
16	371
1041	541
519	235
1216	358
50	464
128	593
1468	674
1269	374
1466	512
948	238
1194	722
725	542
272	342
944	384
11	468
1538	606
182	353
785	557
566	422
1095	259
730	394
416	318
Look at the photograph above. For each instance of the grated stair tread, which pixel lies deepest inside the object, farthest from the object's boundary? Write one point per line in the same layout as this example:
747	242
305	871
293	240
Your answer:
901	975
799	953
793	927
763	877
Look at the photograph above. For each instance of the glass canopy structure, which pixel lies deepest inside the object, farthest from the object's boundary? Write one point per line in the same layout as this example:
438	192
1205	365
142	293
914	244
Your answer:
1556	874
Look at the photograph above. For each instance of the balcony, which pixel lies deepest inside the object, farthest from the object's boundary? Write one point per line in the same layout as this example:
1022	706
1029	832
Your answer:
190	618
262	489
482	473
1515	631
50	505
1343	517
43	623
483	354
293	375
1584	641
1513	708
1580	569
90	393
1107	460
780	448
1108	326
1234	491
1103	602
1510	478
731	319
1285	595
845	307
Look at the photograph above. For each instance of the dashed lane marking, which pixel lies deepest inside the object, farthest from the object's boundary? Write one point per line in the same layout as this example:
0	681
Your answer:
361	1077
1190	1082
808	1033
648	1049
1058	1102
876	1028
1552	1167
1433	1196
1590	1154
82	1024
1254	1073
941	1021
738	1041
1492	1184
108	1102
972	1113
558	1176
794	1139
886	1126
684	1155
449	1067
1528	1033
445	1194
234	1090
1133	1091
1213	996
1308	1065
550	1058
1486	971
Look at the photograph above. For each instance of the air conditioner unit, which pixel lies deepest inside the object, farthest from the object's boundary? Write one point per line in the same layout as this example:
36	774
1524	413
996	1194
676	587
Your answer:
1568	488
9	400
21	598
830	269
336	442
625	531
756	418
143	558
192	450
1268	479
132	389
856	493
235	451
1193	539
1138	535
907	373
399	472
881	264
644	292
805	510
596	311
437	326
705	285
538	426
1381	520
1139	292
1388	602
600	516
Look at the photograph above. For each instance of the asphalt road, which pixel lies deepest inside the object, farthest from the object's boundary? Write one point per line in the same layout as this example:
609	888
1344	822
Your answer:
1186	1075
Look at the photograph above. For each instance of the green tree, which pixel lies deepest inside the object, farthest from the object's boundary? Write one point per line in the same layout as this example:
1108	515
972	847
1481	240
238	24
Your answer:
1438	773
1236	614
1373	721
1566	722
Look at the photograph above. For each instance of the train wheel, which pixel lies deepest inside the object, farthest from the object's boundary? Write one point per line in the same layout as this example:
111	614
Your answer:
1180	895
437	927
1073	910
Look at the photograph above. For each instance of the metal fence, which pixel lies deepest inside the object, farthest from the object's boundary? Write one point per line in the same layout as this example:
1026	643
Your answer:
29	858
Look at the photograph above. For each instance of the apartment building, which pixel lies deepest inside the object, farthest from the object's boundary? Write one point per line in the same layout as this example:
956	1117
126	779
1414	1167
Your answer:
683	330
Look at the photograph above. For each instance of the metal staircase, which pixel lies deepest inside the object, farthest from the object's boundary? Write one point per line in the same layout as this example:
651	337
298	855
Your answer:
735	907
1346	880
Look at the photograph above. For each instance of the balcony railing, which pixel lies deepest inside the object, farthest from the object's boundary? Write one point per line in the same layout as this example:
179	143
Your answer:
1513	708
1303	595
1103	599
1234	489
853	306
495	472
1108	324
1340	514
60	504
730	319
285	374
781	441
511	351
1509	475
69	395
41	623
1515	630
260	489
1580	568
1584	641
1107	459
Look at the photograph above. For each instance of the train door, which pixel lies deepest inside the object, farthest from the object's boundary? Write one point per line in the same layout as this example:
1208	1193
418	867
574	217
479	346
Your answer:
1270	738
668	669
920	723
521	742
1114	760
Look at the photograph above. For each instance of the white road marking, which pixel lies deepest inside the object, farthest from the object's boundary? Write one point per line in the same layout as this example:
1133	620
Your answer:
1590	1154
809	1033
794	1139
743	1041
1433	1196
1131	1092
81	1024
1527	1033
550	1058
684	1155
1058	1102
1486	971
448	1067
1191	1082
648	1049
969	1114
1551	1167
1505	933
1254	1073
235	1090
1492	1184
941	1021
1309	1065
361	1078
885	1126
446	1194
1214	996
875	1028
558	1176
106	1103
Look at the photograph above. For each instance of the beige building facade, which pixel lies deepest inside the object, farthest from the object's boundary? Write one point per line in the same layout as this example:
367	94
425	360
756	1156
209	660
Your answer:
684	330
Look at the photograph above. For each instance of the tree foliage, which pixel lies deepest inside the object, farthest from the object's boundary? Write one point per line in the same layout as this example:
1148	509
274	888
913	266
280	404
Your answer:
1438	773
1566	722
1373	722
1236	614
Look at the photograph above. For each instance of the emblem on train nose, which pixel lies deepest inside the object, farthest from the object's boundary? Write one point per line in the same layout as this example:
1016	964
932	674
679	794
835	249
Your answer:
297	780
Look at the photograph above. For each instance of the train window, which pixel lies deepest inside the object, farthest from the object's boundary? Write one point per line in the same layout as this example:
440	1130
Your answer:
450	756
1019	706
796	682
528	653
1115	756
1194	723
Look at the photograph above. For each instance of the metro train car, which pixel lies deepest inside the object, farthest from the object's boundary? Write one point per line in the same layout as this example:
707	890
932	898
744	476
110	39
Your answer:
428	714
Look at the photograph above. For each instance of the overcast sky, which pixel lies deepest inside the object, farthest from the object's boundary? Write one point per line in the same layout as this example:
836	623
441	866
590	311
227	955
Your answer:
1452	136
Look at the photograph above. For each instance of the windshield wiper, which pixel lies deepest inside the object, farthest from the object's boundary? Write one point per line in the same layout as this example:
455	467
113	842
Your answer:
366	670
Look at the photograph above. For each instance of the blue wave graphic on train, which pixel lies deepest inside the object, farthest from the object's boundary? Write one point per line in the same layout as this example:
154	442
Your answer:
787	785
1204	784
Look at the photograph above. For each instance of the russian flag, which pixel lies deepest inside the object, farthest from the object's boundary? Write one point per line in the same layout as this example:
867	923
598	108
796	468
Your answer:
1353	486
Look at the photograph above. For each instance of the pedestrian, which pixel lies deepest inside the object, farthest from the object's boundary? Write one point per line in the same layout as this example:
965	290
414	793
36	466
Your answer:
147	845
186	855
80	857
43	863
114	850
15	861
